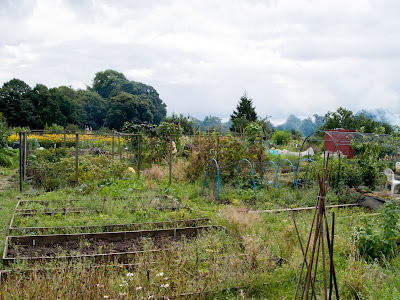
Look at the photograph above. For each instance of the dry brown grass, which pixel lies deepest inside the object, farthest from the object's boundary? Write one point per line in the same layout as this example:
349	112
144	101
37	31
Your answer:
240	217
155	173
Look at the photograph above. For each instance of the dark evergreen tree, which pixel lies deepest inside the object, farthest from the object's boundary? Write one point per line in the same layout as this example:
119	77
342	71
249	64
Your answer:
244	114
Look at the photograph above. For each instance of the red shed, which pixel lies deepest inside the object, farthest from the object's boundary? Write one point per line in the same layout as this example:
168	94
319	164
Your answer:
342	138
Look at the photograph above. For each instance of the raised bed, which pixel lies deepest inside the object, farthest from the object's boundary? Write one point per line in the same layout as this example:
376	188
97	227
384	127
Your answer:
101	247
372	202
170	201
110	227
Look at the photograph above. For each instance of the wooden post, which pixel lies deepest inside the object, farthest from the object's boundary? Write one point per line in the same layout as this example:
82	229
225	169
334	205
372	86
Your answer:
244	138
199	138
20	162
25	152
139	153
76	159
119	149
112	146
170	160
194	138
217	147
65	137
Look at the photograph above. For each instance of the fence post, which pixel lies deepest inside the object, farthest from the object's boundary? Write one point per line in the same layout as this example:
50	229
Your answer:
76	159
139	153
112	147
65	137
20	162
25	151
199	139
119	149
170	160
217	147
194	138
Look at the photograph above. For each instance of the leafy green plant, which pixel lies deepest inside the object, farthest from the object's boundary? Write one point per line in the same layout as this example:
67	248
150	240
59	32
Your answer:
379	241
4	131
54	128
281	137
253	132
368	161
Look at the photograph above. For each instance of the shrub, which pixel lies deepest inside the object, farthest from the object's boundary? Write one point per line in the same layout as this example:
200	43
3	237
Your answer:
380	241
281	137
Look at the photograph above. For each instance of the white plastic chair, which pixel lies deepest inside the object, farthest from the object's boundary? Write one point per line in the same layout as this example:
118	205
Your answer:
390	180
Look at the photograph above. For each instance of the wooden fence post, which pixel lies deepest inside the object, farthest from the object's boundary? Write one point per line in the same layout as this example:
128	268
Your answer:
25	151
170	160
217	147
119	148
139	137
199	139
20	162
112	147
76	159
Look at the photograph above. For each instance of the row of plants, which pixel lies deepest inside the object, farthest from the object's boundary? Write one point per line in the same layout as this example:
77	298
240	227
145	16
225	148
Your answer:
56	168
268	270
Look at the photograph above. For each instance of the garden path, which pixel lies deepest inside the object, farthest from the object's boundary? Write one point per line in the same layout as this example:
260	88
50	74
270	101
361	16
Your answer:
4	182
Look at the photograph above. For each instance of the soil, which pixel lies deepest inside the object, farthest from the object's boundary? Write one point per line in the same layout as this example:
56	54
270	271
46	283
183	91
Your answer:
90	247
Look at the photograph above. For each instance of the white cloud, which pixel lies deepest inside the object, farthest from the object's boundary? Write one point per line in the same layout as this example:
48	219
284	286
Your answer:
292	57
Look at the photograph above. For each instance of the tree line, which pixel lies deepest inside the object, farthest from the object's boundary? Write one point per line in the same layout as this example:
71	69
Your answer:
109	102
245	115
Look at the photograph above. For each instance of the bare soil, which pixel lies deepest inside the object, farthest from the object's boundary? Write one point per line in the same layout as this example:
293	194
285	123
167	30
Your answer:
90	247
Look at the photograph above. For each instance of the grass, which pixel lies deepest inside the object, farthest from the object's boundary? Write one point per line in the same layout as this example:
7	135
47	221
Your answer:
260	258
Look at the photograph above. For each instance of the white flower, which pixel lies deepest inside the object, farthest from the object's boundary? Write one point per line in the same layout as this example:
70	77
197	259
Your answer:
129	275
99	285
160	274
138	288
106	296
124	283
165	285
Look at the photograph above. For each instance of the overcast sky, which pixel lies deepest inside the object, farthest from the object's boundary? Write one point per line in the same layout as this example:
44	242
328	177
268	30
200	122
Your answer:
290	56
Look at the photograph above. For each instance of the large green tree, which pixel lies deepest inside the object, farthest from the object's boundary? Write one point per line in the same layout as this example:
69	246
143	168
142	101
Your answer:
111	83
15	104
96	108
108	83
244	114
126	107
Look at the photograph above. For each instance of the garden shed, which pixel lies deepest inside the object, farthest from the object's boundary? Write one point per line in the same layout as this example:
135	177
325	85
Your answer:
342	139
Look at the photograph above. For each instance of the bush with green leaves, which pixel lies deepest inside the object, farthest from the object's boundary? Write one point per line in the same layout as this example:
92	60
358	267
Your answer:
379	241
153	139
281	137
228	151
8	157
368	161
54	168
4	131
253	132
54	128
